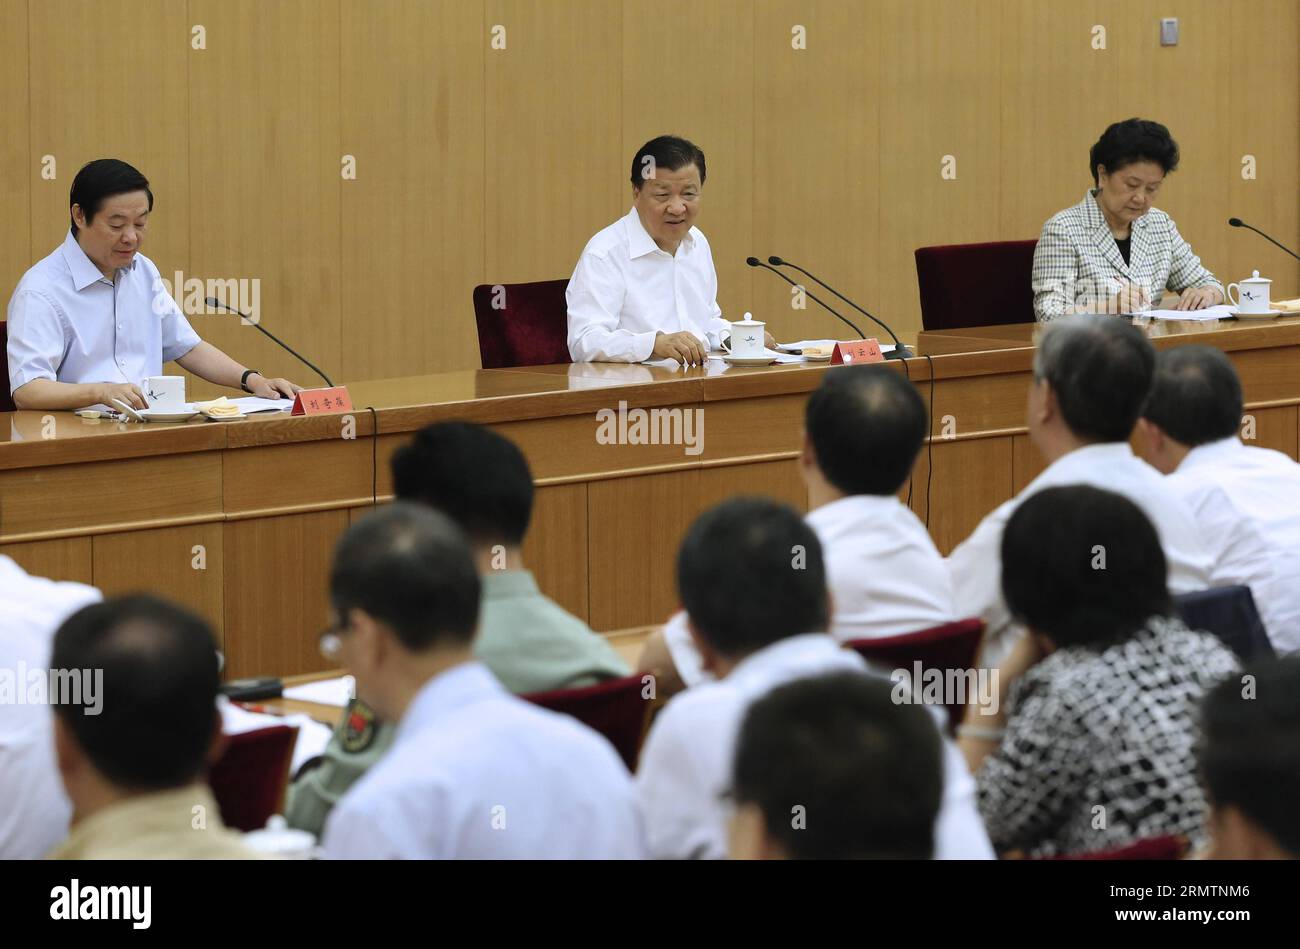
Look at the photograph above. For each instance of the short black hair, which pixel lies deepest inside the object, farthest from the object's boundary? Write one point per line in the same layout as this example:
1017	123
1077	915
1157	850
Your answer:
1249	753
411	568
100	179
1100	369
1083	566
866	425
750	573
1133	140
471	474
1195	396
158	714
867	772
668	152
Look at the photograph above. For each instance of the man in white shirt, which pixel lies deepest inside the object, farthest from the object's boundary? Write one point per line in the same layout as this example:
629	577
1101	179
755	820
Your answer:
752	580
93	320
473	772
1246	499
1091	377
863	427
645	287
34	811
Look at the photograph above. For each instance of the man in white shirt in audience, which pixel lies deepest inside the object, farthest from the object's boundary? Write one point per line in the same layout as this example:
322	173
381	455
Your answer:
644	287
1246	499
34	812
751	577
1091	378
863	428
473	772
93	320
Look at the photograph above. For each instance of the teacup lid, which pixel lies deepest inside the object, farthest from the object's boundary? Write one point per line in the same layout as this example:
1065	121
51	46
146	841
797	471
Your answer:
747	321
1256	278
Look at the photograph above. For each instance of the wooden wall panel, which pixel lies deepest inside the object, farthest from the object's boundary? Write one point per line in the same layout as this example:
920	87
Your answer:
1276	428
718	114
277	591
555	549
108	81
555	172
939	96
412	220
135	561
66	559
971	477
265	160
19	171
818	136
635	527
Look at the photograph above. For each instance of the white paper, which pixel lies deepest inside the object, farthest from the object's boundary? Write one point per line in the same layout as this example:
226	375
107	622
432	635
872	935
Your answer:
312	738
806	343
251	403
1220	312
325	692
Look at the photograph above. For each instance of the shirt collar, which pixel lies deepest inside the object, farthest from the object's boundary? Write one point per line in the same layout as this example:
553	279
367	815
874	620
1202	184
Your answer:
1096	455
503	583
449	690
1211	452
784	654
852	508
640	243
83	269
156	809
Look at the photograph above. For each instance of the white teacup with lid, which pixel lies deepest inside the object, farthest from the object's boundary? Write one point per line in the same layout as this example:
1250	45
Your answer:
748	339
1252	295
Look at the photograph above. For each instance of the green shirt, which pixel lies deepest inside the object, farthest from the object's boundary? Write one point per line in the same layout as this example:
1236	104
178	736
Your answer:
528	641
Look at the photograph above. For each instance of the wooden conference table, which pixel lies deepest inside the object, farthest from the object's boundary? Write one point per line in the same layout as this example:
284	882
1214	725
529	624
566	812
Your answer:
237	519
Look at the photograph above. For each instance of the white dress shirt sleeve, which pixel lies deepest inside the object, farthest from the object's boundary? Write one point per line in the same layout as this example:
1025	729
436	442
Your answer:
959	832
976	568
684	817
595	298
178	337
36	339
353	832
685	655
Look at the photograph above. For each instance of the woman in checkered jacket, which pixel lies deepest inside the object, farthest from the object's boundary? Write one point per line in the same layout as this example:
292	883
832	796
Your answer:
1113	252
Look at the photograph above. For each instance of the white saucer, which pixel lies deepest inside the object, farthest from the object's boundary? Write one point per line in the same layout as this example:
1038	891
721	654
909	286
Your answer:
748	360
1266	315
826	358
169	415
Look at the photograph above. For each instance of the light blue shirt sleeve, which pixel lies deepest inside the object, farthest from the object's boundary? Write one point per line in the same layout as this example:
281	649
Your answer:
37	340
178	337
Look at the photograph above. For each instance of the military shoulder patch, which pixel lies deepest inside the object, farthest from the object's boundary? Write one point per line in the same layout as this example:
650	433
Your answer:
358	727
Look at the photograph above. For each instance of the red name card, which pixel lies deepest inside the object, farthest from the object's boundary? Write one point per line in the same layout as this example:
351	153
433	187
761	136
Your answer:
322	401
856	351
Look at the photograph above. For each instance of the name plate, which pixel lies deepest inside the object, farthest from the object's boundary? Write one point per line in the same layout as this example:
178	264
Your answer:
322	401
857	351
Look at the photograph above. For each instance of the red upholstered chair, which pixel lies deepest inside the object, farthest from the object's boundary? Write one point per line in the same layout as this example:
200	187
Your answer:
6	400
614	708
1168	847
530	329
250	777
950	646
975	284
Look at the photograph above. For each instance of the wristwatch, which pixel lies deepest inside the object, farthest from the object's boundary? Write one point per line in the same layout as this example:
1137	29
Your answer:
243	380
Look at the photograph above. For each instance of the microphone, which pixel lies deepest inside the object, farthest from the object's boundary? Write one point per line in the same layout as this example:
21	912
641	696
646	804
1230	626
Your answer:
755	262
1238	222
900	351
214	302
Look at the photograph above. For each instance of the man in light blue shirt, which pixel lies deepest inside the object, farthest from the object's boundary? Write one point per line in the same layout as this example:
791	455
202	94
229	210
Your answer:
474	772
93	320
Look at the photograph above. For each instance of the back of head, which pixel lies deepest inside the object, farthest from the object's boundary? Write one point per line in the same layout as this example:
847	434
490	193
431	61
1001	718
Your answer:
411	569
750	573
867	771
866	425
1250	747
157	716
1083	566
1100	370
1196	396
471	474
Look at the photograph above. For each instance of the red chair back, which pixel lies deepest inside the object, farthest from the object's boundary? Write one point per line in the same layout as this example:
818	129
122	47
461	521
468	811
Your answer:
975	284
950	646
614	708
522	324
6	400
1168	847
250	777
